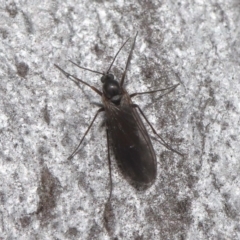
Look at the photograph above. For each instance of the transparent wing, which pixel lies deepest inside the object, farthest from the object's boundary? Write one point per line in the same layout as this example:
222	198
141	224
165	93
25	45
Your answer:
131	143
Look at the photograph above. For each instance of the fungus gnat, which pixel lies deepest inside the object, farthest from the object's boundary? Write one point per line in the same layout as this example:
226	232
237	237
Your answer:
125	130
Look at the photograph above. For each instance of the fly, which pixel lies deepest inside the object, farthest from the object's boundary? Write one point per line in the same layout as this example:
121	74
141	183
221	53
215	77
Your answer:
125	130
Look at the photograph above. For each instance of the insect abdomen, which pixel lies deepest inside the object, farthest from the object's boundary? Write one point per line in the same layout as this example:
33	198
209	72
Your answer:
131	144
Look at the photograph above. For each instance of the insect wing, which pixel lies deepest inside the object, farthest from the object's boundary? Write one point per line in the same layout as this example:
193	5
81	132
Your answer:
132	146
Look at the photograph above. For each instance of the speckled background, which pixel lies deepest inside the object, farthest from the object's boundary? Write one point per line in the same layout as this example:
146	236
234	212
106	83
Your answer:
43	116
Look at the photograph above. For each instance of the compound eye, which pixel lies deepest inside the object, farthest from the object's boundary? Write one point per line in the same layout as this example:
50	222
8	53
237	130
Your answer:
103	78
107	77
111	77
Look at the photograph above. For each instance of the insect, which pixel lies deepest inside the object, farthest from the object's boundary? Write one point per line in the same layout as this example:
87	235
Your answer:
125	130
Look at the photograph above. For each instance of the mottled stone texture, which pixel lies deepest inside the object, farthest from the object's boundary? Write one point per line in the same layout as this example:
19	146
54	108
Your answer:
44	115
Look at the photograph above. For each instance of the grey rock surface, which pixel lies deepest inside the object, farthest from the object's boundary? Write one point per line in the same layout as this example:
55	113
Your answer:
43	116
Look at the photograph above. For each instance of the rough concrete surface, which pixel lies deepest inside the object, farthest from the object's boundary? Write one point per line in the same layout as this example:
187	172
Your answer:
43	116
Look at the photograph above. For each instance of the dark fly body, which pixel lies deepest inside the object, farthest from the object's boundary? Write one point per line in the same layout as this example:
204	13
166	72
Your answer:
126	133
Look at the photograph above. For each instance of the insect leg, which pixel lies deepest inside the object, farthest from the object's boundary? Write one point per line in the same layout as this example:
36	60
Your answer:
128	61
171	89
109	166
75	79
76	150
154	131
